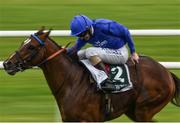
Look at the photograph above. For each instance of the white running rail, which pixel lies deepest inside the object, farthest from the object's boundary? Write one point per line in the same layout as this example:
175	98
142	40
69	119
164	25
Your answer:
137	32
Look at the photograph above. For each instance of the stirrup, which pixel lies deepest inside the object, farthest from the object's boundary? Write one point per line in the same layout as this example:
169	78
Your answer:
107	85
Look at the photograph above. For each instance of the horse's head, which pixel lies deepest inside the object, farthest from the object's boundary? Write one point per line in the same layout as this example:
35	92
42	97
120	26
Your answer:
32	52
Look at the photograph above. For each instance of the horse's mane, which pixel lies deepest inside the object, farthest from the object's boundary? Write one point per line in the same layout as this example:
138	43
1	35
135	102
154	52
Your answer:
72	57
59	46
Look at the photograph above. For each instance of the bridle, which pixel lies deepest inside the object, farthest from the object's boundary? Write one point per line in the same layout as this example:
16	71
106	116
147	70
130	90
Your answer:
22	63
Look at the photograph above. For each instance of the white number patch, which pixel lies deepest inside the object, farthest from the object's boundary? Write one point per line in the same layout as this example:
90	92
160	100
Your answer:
118	74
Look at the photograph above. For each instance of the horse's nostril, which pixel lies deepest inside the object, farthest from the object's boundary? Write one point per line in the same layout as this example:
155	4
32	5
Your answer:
6	64
9	63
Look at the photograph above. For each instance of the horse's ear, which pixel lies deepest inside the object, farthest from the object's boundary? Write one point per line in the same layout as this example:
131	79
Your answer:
40	31
46	34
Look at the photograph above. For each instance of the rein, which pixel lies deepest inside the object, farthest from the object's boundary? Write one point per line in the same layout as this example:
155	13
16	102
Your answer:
54	55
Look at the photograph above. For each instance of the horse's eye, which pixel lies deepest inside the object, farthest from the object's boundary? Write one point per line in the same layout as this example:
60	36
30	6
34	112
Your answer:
31	47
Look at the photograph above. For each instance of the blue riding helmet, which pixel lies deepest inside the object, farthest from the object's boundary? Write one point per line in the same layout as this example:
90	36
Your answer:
79	24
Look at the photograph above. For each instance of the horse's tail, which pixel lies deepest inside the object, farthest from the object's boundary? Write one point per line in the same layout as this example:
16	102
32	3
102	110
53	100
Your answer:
176	99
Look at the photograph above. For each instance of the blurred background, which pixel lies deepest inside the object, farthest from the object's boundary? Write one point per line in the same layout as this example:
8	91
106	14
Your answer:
26	96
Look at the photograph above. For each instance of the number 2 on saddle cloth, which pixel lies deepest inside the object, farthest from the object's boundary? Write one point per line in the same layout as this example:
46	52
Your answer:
119	75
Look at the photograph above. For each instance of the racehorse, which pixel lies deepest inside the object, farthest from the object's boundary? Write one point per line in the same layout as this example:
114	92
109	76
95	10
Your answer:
78	99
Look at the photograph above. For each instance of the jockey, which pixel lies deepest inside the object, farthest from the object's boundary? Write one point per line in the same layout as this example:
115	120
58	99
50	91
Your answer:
108	39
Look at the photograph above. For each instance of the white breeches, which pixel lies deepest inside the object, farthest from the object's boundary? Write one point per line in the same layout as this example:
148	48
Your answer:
111	56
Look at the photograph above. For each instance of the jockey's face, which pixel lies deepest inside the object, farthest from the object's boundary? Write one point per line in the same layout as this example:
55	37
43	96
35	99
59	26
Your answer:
86	35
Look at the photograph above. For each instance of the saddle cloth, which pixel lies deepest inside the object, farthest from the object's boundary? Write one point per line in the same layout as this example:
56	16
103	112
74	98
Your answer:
119	75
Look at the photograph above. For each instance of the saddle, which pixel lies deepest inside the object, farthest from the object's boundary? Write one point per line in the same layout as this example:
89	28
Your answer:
118	74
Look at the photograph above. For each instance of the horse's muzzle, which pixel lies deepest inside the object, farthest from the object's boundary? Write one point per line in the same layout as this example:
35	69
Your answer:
10	68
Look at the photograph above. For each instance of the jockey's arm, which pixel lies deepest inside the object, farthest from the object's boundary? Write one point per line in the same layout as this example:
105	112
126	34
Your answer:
75	48
130	41
121	31
134	55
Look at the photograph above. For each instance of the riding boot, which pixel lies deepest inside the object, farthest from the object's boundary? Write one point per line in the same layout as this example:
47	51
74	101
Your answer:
106	85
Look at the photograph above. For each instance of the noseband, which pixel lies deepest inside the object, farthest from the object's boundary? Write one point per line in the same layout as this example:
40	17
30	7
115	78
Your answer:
21	64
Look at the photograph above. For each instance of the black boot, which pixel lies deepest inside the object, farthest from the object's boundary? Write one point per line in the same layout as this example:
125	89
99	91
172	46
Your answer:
107	85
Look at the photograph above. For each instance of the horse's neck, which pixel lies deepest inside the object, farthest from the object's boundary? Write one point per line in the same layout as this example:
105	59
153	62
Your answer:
60	72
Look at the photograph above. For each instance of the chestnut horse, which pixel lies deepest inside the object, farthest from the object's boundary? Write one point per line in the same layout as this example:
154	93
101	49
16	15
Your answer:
78	99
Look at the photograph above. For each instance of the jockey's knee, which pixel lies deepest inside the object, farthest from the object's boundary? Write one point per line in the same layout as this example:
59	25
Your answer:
93	56
91	51
81	54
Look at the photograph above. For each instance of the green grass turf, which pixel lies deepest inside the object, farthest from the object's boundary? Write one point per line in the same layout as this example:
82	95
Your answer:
26	96
23	14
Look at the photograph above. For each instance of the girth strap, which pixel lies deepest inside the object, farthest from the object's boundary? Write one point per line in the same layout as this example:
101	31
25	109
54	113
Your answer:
108	106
